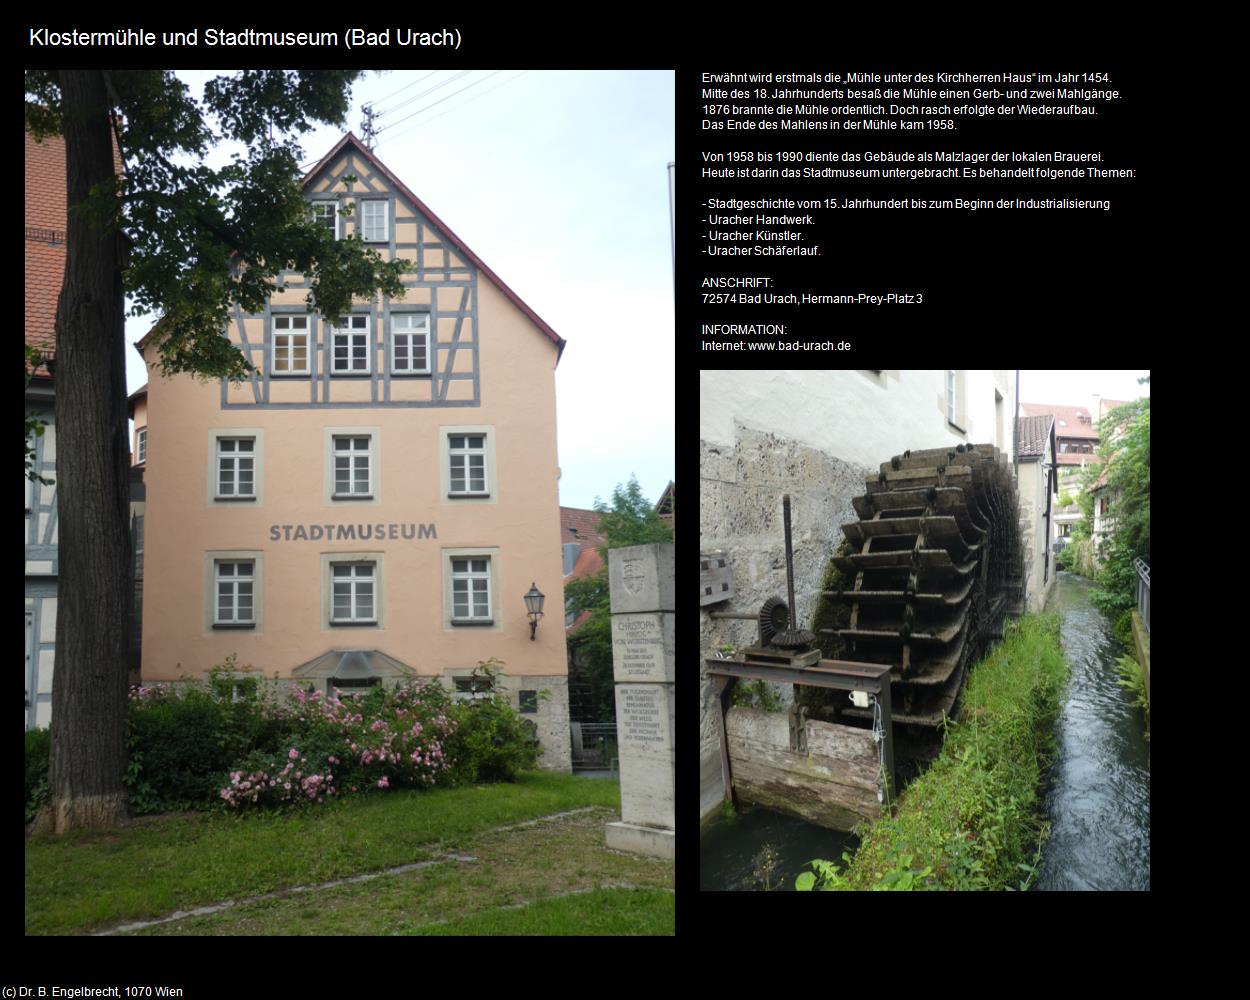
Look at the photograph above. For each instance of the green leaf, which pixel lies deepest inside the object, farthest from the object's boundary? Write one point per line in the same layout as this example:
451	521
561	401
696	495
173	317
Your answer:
805	882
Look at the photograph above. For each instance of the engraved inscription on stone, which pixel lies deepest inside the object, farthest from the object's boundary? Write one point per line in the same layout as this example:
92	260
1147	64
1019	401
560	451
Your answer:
634	575
638	647
643	717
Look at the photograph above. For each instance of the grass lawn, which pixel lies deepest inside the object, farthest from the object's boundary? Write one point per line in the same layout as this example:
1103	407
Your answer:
92	881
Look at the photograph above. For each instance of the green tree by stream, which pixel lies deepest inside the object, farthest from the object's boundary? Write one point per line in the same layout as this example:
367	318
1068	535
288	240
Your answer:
630	520
1125	450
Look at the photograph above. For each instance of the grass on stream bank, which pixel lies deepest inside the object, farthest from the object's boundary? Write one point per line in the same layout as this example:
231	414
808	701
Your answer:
90	881
973	820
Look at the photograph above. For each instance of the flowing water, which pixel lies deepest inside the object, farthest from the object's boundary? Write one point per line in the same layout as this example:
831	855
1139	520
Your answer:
1099	798
730	852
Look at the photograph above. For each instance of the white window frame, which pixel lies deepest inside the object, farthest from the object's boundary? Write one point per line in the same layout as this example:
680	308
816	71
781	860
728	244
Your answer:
292	331
234	457
411	333
951	382
464	454
386	220
141	445
357	327
472	570
236	578
334	208
363	572
349	446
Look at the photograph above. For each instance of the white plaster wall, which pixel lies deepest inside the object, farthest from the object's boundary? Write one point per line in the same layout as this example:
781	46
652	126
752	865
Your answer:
856	416
1032	490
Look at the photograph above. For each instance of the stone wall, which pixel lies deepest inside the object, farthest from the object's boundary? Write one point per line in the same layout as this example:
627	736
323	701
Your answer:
740	490
552	717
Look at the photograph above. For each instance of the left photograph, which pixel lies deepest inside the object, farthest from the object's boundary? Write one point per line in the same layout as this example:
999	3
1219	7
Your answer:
299	532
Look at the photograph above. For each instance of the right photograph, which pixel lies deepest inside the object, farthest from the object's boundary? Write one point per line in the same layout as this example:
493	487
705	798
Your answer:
924	630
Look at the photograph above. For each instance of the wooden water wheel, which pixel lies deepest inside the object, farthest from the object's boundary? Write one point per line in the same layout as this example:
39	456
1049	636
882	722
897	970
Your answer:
936	563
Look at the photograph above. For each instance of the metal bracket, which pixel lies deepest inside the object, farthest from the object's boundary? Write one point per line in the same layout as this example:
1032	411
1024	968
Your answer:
798	728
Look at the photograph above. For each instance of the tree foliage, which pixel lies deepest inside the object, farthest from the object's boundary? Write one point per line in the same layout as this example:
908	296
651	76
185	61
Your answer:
630	520
1125	449
201	240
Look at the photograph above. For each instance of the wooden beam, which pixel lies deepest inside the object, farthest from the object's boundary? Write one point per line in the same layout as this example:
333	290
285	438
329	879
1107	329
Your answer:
833	784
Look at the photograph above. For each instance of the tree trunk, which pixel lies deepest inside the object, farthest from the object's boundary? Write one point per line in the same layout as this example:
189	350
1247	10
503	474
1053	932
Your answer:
89	686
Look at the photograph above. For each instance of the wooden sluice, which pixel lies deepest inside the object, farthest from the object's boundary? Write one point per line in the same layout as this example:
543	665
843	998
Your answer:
828	774
926	576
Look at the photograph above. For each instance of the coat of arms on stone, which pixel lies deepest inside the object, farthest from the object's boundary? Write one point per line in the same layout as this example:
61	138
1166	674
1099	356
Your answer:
633	576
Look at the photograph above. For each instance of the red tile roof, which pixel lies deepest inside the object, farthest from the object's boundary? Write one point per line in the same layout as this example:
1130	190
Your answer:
45	216
582	526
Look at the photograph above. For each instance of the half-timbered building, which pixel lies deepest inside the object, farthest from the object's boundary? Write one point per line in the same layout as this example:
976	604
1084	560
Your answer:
375	501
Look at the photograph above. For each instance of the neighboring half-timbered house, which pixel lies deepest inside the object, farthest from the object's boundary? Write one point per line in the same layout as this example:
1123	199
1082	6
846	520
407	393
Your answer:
44	255
376	500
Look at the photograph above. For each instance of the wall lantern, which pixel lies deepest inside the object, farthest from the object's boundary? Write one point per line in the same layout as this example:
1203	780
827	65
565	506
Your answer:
534	606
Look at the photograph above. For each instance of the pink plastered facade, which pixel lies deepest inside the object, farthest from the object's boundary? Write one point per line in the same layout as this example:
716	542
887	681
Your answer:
373	503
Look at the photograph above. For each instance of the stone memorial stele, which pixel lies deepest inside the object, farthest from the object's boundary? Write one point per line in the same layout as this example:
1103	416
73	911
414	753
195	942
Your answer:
642	601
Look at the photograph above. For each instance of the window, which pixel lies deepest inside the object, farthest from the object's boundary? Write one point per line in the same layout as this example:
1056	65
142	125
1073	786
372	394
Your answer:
352	593
141	445
234	595
950	396
351	687
326	213
351	467
470	590
290	345
373	219
410	343
472	688
467	463
527	701
236	468
350	346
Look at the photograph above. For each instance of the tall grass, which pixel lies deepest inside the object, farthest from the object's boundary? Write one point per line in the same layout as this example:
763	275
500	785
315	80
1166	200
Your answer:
973	820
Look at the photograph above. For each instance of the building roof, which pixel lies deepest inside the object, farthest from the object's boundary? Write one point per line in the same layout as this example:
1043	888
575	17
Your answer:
1070	421
582	526
438	224
134	397
441	226
45	222
1033	436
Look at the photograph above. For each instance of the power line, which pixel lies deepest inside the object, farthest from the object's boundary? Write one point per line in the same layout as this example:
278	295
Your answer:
423	93
439	101
383	100
457	107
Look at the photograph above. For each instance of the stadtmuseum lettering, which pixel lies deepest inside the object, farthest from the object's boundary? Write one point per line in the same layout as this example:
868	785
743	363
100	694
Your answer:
350	532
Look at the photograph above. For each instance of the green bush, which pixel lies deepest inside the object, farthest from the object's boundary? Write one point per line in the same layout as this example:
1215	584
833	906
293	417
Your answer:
492	742
178	751
38	751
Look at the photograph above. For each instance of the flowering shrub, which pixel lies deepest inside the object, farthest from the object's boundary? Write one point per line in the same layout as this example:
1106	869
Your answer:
386	739
260	744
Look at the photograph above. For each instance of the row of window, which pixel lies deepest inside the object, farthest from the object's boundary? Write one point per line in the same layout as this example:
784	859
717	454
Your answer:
354	462
354	592
374	216
351	345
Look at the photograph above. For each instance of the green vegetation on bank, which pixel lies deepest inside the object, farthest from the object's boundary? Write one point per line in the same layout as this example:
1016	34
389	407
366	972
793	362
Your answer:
1132	678
92	879
973	820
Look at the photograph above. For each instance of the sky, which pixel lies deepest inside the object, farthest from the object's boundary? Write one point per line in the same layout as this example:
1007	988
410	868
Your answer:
1076	387
559	182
